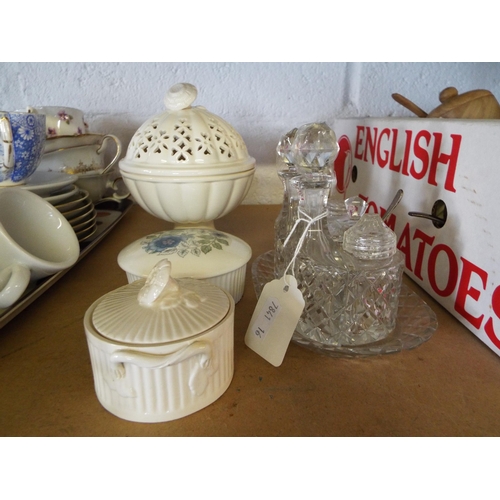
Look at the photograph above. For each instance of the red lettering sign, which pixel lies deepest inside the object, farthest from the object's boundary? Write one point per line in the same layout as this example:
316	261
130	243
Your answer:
424	240
488	327
422	155
452	273
465	290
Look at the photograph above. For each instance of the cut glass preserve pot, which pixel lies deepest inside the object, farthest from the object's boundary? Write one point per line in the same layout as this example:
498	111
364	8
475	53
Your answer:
375	277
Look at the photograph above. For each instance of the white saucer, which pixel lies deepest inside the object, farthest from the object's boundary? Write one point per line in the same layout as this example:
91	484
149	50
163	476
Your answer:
78	219
62	194
45	183
86	233
76	212
79	199
91	221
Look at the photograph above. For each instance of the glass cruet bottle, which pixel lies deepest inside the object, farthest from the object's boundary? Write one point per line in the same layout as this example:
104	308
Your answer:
288	213
374	283
318	264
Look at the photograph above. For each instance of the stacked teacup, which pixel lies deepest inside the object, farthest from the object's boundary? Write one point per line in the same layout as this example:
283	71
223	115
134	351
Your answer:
70	148
35	240
88	159
22	141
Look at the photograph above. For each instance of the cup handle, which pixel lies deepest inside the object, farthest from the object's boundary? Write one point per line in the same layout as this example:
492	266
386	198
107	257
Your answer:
7	140
118	153
13	282
117	196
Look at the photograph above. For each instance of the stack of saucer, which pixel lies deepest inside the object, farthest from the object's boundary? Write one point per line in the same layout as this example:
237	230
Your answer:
74	203
79	211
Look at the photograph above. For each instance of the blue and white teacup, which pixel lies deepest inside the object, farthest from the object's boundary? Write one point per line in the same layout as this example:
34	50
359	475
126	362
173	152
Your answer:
22	141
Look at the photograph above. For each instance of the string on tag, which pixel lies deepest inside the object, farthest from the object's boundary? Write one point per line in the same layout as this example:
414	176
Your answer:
303	217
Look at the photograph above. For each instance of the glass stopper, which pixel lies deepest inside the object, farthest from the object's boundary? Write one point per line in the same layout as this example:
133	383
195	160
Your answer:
356	207
284	148
314	148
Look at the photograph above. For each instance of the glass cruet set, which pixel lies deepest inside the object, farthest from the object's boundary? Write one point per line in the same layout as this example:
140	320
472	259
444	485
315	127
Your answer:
345	260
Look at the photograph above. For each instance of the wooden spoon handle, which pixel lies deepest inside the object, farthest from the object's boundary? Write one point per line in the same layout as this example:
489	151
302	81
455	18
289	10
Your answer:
409	105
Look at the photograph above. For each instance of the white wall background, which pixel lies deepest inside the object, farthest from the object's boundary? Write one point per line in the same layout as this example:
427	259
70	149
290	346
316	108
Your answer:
261	100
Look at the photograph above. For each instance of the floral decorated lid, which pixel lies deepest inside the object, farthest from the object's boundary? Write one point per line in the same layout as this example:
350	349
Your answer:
160	309
195	253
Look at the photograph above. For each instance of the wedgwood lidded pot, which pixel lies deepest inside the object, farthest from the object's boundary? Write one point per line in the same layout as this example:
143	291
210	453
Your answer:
202	253
186	165
161	348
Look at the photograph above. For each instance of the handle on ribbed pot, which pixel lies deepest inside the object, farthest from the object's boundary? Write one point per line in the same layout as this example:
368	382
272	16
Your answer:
197	384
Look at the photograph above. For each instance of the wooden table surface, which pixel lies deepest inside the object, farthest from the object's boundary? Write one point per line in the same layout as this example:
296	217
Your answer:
448	386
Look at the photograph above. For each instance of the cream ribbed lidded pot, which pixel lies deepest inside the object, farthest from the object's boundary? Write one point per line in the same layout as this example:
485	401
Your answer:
187	165
161	348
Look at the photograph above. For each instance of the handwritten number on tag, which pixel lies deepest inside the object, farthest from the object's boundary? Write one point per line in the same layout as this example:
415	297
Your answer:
266	317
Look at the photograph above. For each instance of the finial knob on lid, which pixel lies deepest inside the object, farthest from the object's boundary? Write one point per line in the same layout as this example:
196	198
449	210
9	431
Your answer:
180	96
158	283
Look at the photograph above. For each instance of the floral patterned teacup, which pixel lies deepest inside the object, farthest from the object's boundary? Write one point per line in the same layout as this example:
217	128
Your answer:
22	141
61	120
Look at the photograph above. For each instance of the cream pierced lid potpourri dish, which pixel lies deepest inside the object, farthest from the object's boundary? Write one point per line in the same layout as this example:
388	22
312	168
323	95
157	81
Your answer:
187	165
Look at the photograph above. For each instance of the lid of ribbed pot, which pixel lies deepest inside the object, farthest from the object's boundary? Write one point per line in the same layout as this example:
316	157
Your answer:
186	136
159	309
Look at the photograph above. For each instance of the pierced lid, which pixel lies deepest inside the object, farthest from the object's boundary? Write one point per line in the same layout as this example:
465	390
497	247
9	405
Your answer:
370	238
186	136
160	309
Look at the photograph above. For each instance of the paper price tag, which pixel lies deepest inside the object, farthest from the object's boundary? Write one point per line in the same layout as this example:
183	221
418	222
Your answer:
274	319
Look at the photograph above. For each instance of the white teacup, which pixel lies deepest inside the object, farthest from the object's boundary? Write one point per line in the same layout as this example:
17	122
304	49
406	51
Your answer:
80	154
61	120
102	187
36	241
